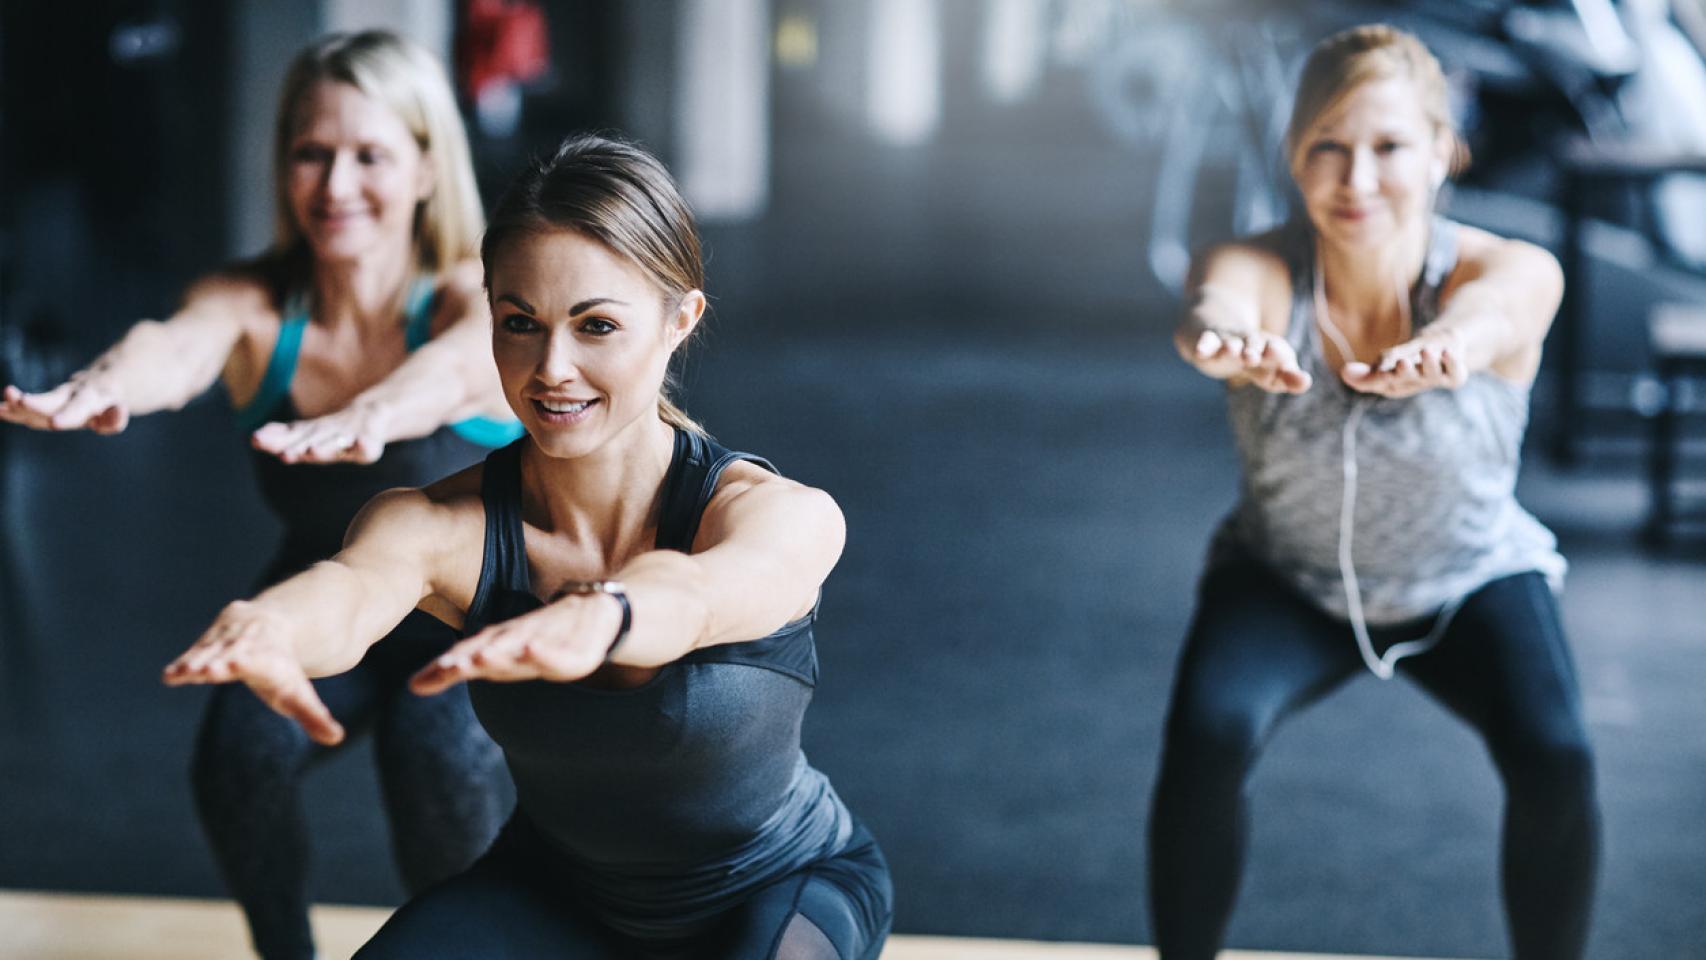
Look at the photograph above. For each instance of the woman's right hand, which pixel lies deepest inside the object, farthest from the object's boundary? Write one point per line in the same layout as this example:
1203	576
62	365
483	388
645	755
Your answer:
1257	357
80	403
248	643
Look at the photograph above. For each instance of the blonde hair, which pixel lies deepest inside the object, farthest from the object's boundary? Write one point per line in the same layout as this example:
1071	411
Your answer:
620	195
1372	52
405	78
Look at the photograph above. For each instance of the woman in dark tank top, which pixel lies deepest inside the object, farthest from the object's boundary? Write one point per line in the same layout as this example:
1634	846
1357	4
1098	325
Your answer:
638	603
354	353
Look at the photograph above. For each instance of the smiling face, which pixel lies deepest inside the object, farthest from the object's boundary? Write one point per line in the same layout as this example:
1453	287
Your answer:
1369	168
354	174
582	339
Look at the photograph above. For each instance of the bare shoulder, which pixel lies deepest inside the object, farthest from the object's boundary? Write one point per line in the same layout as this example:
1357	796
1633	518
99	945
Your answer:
461	291
238	293
438	529
748	495
1529	271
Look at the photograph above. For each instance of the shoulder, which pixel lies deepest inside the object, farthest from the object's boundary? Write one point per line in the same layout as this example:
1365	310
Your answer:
461	291
1529	270
748	495
440	518
240	292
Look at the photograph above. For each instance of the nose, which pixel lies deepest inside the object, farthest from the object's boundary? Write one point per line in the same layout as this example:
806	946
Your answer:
559	364
1362	174
341	175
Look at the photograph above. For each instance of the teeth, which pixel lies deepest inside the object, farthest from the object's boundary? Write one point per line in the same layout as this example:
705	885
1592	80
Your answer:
559	407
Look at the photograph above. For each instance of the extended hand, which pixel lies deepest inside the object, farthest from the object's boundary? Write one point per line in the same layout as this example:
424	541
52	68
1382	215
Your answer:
563	641
347	436
246	643
1267	361
1409	368
78	404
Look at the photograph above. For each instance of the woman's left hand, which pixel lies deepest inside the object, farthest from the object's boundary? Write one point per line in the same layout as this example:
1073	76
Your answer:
1425	363
350	435
562	641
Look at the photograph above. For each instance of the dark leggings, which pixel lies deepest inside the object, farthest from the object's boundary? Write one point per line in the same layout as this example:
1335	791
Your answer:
513	905
1257	652
442	778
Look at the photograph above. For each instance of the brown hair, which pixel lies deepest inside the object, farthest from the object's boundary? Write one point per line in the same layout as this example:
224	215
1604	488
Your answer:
620	195
408	80
1350	58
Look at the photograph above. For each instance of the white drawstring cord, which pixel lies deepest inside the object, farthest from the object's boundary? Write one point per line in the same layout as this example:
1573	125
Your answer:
1381	665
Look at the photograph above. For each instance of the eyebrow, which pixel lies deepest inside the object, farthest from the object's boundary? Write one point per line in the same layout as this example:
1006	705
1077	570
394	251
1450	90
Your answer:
574	311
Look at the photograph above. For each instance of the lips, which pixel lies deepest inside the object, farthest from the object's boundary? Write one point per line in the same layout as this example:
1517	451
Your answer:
562	411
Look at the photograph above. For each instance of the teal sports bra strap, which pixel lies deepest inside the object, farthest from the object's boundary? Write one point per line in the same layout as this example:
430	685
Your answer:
281	367
423	296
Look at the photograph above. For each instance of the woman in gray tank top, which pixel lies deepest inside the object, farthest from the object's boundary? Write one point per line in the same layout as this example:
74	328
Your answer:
1378	360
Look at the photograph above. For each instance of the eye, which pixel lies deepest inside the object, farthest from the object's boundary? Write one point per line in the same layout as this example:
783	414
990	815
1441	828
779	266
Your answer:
368	156
1326	146
309	153
518	323
598	327
1389	146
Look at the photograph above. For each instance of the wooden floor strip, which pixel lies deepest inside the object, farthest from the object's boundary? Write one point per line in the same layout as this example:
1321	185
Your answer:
54	926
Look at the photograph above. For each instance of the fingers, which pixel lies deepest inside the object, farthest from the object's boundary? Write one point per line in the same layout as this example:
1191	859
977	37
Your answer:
34	410
324	440
83	407
509	652
236	649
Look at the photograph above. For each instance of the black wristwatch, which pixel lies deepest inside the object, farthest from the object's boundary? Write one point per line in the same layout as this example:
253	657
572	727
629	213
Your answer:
613	588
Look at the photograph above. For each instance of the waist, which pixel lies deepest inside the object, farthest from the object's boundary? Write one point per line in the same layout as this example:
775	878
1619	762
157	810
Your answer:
657	896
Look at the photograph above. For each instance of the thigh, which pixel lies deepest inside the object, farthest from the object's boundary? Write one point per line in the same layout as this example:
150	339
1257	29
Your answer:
1256	650
1503	664
495	910
847	900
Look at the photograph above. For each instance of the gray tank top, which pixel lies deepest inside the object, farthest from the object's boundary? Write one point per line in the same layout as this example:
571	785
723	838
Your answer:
1435	514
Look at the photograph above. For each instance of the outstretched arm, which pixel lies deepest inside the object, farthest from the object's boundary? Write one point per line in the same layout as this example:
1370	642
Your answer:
157	365
1494	314
448	378
766	546
1235	320
321	621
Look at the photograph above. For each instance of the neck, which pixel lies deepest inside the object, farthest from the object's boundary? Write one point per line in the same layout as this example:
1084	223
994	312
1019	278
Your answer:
606	498
1363	283
366	292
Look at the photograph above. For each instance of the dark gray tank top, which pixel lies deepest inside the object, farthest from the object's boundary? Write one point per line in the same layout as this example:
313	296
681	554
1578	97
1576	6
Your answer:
671	801
1436	515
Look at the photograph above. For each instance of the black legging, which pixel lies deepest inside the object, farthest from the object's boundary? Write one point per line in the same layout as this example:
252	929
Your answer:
443	780
515	904
1257	652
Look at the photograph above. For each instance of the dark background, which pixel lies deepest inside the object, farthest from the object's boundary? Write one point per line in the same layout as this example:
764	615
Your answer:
959	333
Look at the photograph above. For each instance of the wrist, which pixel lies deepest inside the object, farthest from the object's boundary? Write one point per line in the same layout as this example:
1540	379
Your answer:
591	590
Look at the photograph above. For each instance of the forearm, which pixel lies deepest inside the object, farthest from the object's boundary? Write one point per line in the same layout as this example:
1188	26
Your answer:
1477	327
440	383
331	614
157	366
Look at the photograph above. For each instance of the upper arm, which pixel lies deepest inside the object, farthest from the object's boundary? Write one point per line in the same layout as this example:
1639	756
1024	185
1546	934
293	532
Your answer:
411	548
1511	284
1239	286
765	546
222	315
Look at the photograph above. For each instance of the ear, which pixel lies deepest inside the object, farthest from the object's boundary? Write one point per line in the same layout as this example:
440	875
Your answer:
1440	166
680	324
